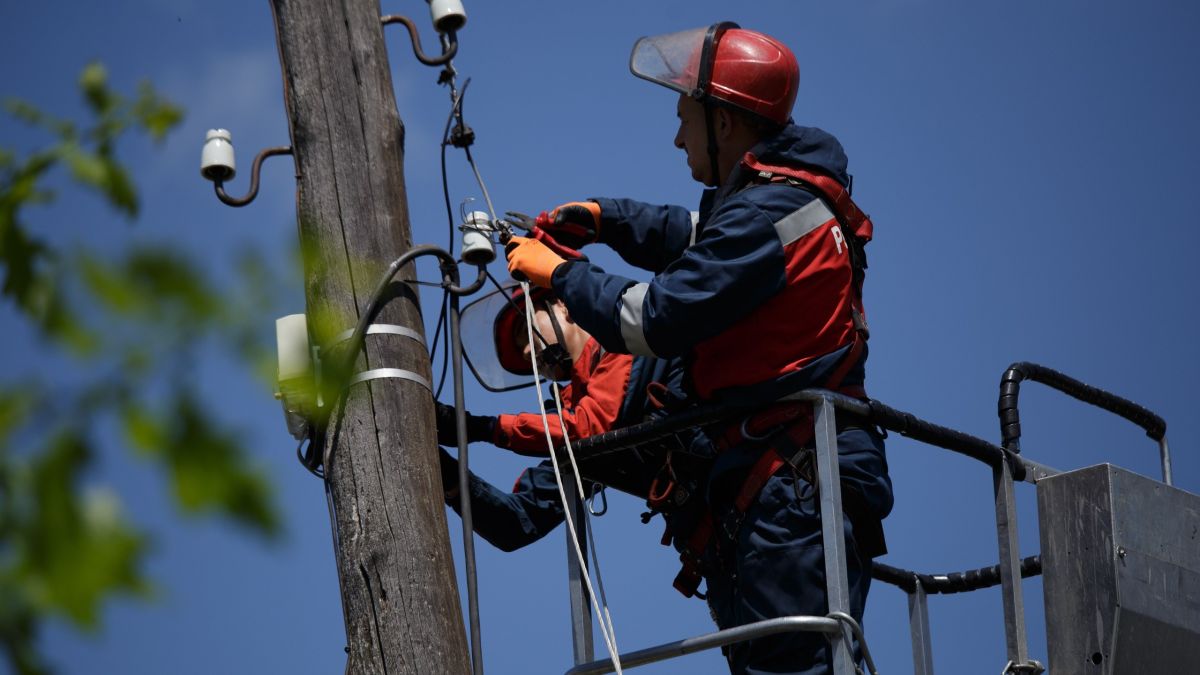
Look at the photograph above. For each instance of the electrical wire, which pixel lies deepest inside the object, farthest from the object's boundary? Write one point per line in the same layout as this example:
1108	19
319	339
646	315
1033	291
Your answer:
605	628
479	179
456	97
437	394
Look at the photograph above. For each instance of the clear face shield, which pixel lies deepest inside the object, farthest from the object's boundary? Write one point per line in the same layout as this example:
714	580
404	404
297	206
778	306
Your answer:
680	61
478	325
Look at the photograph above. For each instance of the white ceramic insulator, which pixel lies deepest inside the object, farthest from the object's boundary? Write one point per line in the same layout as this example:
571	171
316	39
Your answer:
477	246
216	159
448	15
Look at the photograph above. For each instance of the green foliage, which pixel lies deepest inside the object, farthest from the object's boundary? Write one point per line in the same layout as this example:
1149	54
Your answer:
130	326
74	551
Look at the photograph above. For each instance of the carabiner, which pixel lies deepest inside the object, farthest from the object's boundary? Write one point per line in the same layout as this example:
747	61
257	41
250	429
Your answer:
597	490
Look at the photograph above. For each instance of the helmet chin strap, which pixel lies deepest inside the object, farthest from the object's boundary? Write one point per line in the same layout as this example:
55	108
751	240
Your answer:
708	54
555	356
713	150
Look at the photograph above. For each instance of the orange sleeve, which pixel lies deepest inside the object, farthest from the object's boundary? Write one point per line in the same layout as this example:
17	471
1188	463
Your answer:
595	411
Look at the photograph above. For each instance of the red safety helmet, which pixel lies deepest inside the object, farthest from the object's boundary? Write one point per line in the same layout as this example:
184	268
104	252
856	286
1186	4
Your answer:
489	327
511	318
723	63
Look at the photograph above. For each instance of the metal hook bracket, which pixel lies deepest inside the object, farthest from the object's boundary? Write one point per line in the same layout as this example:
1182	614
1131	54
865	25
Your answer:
219	186
449	44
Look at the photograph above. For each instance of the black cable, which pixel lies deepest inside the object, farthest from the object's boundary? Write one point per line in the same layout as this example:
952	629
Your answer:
455	109
437	394
456	97
354	345
307	460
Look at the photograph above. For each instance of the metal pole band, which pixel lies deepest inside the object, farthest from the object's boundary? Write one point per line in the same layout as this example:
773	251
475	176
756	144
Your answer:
381	373
381	328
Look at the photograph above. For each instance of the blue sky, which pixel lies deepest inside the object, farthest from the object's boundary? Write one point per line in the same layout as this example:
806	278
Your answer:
1029	167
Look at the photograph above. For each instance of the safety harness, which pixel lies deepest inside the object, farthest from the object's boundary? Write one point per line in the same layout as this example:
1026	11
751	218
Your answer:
786	429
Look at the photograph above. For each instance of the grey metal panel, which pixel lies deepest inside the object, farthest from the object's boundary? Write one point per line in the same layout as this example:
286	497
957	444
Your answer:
1121	568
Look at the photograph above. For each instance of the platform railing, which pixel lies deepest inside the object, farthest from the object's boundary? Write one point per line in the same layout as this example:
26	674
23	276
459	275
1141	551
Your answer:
1007	465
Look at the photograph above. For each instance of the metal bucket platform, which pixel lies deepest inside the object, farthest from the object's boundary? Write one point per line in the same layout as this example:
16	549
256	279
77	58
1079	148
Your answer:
1121	568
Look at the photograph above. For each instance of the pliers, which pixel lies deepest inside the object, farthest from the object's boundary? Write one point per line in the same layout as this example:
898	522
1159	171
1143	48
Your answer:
534	228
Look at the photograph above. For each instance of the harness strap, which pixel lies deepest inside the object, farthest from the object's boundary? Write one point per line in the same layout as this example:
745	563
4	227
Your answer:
855	219
792	426
688	579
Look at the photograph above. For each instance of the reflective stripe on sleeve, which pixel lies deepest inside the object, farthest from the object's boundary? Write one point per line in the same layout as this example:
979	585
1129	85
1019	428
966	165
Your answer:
631	320
800	222
695	222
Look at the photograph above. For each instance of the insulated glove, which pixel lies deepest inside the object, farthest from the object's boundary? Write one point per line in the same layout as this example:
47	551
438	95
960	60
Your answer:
479	427
574	224
532	259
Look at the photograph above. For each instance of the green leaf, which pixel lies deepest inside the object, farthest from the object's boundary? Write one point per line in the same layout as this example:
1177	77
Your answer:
154	283
143	430
76	551
210	471
108	285
19	622
60	322
94	83
19	254
154	113
103	174
19	185
16	402
25	111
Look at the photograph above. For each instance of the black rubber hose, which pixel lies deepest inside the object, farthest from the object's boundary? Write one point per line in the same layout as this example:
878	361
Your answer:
1010	391
907	424
951	582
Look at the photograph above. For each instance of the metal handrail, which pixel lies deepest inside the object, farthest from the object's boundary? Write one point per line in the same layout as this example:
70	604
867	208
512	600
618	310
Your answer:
1010	418
720	638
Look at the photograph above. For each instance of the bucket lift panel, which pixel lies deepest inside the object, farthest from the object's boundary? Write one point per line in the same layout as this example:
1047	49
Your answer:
1121	568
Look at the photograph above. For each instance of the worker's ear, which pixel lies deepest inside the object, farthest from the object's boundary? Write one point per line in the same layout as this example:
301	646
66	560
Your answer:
566	315
723	122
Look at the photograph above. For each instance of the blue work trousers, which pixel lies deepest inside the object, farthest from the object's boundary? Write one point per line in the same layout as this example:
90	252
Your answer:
774	567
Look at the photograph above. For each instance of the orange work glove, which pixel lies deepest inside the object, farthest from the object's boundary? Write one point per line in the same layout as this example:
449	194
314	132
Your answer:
533	259
574	224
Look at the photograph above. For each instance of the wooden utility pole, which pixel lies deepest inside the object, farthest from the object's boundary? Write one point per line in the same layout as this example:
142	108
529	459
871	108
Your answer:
394	561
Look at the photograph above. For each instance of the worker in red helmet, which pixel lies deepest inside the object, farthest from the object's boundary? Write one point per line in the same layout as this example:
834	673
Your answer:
760	292
605	391
596	380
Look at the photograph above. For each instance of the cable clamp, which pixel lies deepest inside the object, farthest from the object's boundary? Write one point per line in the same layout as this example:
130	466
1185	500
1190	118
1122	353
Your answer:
384	373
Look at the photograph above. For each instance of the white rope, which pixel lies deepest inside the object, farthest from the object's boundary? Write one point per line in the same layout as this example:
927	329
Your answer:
586	517
605	626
